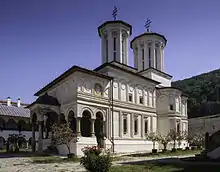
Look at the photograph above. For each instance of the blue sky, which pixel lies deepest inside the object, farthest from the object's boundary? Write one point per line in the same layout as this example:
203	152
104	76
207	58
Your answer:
40	39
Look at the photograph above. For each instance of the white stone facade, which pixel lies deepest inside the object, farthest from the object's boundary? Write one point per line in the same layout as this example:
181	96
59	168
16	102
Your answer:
143	100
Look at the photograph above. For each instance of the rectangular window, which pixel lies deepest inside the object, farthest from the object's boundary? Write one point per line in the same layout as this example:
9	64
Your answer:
114	48
149	51
141	100
130	97
106	46
125	125
156	58
146	126
171	107
143	59
136	126
178	127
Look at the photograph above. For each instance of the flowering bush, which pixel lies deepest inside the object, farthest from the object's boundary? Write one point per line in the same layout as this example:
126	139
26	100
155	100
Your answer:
164	139
62	134
94	161
152	137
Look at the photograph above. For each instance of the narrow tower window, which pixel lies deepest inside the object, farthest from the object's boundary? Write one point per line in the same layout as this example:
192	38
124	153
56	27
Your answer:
114	48
149	50
106	46
143	59
123	50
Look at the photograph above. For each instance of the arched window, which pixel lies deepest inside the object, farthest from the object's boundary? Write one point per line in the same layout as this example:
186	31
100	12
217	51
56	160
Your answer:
86	124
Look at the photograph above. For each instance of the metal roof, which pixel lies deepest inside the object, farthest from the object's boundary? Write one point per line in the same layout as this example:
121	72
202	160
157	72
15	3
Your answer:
14	111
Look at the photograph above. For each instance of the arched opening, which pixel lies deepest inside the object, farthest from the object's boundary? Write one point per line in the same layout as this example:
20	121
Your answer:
21	125
99	129
2	143
2	124
86	124
51	119
72	121
62	119
99	124
12	125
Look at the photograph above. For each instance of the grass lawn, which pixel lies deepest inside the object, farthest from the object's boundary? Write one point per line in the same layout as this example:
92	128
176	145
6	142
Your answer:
168	153
145	168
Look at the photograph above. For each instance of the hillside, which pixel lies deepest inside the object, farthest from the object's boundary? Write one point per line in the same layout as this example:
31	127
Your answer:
204	93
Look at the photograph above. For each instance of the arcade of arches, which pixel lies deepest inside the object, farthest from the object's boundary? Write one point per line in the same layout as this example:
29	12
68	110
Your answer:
84	126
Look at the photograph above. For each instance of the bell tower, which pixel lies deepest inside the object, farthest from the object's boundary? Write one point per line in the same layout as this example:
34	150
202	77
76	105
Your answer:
114	40
148	49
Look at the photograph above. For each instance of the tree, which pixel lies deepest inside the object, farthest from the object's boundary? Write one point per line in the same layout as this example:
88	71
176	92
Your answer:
173	134
13	141
164	139
62	134
180	138
152	136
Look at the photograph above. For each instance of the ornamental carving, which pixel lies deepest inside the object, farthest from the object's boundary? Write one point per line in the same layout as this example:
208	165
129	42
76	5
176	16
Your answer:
98	89
131	89
115	85
123	86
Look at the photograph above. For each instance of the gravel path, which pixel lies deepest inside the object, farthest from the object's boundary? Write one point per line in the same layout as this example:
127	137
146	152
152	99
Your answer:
21	164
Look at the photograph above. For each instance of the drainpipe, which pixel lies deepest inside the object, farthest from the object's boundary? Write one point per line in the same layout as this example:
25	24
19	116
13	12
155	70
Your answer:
112	105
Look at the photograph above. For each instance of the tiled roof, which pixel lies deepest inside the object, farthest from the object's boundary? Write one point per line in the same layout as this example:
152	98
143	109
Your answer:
14	111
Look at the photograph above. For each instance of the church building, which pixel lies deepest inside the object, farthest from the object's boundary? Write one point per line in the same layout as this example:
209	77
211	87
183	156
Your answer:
130	101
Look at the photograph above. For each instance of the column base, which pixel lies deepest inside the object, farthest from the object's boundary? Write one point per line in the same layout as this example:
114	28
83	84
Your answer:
78	134
92	134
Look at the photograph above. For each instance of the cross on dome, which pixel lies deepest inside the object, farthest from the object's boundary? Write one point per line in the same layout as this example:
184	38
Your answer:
147	25
115	12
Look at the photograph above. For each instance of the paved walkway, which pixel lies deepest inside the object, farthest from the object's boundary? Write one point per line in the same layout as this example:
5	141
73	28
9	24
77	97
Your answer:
23	164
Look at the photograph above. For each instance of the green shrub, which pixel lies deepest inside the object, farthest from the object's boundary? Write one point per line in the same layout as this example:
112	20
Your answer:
94	161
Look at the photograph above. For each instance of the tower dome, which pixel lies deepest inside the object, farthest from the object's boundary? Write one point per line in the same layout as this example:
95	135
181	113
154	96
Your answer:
114	40
148	49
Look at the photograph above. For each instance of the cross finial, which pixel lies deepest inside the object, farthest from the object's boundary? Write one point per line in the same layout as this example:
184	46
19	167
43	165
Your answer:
115	12
147	25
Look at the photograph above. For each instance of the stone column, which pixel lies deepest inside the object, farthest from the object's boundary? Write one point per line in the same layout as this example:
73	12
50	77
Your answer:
33	143
40	141
92	127
78	129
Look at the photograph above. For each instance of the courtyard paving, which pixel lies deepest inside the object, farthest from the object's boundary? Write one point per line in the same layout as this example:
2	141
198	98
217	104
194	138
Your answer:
24	164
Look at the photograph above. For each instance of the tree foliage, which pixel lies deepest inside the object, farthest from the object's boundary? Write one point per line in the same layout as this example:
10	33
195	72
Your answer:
62	134
152	136
164	139
204	93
